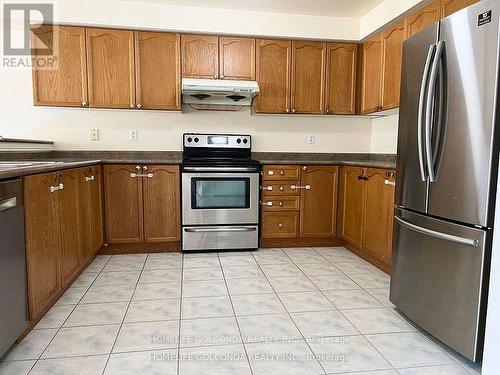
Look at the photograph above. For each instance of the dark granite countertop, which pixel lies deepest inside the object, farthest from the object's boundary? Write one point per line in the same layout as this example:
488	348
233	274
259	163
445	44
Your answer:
75	159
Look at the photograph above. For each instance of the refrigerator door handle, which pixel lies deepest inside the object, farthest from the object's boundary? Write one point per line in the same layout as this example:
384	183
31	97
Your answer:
431	92
425	78
440	235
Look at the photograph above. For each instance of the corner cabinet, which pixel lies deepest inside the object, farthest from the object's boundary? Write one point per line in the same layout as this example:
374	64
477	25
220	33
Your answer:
142	203
65	86
110	62
366	209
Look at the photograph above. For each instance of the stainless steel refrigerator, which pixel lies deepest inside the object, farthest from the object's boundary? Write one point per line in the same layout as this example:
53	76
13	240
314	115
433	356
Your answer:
446	185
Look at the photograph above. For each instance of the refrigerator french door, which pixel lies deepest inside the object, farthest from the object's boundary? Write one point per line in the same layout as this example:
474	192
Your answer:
447	162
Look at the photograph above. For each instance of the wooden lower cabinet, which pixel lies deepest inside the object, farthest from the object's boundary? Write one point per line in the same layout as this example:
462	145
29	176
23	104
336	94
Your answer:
142	203
90	212
43	241
366	206
299	201
56	228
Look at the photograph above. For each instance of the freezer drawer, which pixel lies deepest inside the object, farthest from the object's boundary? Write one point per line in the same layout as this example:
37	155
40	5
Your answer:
438	278
220	237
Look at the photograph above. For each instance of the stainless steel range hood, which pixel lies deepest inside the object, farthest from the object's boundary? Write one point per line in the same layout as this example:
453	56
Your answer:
218	92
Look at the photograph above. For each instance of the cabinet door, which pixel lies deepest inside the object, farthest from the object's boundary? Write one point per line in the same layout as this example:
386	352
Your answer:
157	70
393	39
96	209
200	57
43	241
70	245
274	59
378	214
237	58
371	89
423	18
84	217
110	64
308	77
341	78
449	7
352	192
65	86
319	203
123	200
162	203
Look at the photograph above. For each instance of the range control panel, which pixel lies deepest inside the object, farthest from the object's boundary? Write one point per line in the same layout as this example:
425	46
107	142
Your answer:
217	140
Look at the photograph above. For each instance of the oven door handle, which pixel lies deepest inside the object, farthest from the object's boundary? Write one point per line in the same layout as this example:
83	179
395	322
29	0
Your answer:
220	169
220	229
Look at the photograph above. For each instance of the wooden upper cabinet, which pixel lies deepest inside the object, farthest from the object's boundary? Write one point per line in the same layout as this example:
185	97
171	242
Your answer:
351	202
371	88
237	58
70	244
378	214
449	7
318	203
423	18
110	64
43	241
273	75
393	39
200	56
162	203
341	78
308	77
65	86
124	204
157	70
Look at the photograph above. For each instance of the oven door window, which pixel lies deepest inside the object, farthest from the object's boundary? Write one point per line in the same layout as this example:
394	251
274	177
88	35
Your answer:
220	193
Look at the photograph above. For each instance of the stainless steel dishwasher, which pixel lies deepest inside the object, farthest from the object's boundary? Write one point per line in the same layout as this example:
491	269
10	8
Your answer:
13	291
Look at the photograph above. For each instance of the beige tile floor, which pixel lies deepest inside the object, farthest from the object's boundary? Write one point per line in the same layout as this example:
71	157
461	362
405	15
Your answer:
306	311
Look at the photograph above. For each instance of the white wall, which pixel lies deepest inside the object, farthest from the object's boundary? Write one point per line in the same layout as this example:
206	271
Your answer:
69	127
384	135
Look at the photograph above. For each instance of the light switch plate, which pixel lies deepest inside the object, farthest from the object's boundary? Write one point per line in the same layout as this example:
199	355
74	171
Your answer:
94	134
133	135
311	139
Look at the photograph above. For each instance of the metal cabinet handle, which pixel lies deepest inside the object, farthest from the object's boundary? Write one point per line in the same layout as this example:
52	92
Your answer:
304	168
138	167
269	204
57	187
280	204
215	76
220	229
388	182
287	110
132	106
282	188
145	168
139	106
89	178
294	187
364	178
280	225
134	175
268	188
270	173
84	104
293	110
7	204
282	173
440	235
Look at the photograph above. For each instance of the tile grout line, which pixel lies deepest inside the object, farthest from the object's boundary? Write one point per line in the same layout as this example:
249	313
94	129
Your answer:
390	364
73	309
124	316
234	315
290	317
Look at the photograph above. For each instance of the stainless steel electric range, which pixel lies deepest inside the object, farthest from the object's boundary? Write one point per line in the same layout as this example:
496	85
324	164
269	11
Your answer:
220	193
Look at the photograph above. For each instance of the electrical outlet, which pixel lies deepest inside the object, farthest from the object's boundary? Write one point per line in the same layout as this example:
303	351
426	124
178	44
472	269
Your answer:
133	135
311	139
94	134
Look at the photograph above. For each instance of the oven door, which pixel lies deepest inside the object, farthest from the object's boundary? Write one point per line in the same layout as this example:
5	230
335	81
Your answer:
212	198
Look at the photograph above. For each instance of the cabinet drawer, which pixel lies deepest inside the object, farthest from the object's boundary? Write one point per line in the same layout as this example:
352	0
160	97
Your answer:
280	204
280	188
280	224
281	172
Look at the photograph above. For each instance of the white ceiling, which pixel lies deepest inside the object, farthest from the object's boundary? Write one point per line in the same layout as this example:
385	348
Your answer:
333	8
